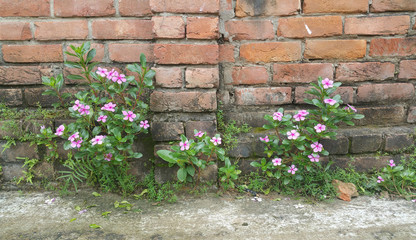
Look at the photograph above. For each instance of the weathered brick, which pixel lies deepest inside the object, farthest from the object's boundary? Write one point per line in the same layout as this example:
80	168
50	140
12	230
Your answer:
396	142
411	118
24	8
319	26
271	51
381	115
385	92
185	6
165	174
12	171
346	93
99	55
205	126
393	47
168	26
74	71
186	54
202	77
253	119
301	73
335	49
408	69
202	28
14	31
249	29
167	131
10	128
361	163
393	5
168	77
249	75
122	29
21	149
389	25
263	96
336	146
120	52
20	75
33	96
134	8
12	97
32	53
59	30
183	101
226	52
367	142
84	8
246	8
334	6
354	72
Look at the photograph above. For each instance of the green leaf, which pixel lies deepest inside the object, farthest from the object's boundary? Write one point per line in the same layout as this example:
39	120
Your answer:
136	155
181	174
86	47
148	82
91	55
286	181
95	194
167	156
95	226
190	170
50	92
255	164
143	60
134	68
105	214
73	219
358	116
73	65
75	77
150	74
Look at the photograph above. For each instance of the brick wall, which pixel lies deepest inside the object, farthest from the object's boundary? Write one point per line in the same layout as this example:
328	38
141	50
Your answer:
252	56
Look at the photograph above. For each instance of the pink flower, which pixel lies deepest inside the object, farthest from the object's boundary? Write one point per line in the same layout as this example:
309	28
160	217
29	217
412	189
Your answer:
327	83
277	116
392	164
60	130
184	145
102	72
109	107
303	113
350	107
130	116
320	128
317	147
380	179
42	127
108	156
84	109
102	118
144	124
292	169
300	116
111	74
199	134
414	200
119	78
330	101
77	105
82	211
76	143
216	141
292	134
97	140
73	136
314	157
277	161
265	139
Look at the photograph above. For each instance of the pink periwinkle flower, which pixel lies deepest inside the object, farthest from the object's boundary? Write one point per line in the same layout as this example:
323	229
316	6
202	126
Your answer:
320	128
76	143
98	140
265	139
292	169
414	200
82	211
102	72
380	179
102	118
109	107
199	134
317	147
184	145
349	107
330	101
129	116
216	140
111	74
314	157
77	105
392	164
277	161
84	109
303	113
73	136
300	116
60	130
42	128
108	156
327	83
144	124
120	78
277	116
293	134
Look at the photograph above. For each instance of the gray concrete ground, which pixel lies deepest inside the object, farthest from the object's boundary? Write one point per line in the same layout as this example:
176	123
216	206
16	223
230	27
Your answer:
25	215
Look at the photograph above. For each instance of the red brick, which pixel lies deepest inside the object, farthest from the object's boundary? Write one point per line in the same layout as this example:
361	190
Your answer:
120	52
186	54
99	48
205	126
385	92
301	73
202	77
32	53
249	75
271	51
61	30
134	8
355	72
202	28
333	6
183	101
15	31
389	25
335	49
383	115
168	27
319	26
20	75
24	8
168	77
11	97
393	6
411	118
226	53
246	8
252	29
167	131
227	5
408	69
122	29
81	8
263	96
185	6
346	93
393	47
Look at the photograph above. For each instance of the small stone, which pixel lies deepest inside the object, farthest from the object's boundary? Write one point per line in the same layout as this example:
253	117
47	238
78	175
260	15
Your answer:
345	190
